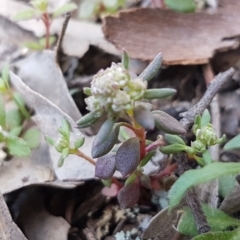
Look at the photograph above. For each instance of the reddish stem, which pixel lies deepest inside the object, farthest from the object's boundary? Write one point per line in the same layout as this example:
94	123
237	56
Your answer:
47	23
166	172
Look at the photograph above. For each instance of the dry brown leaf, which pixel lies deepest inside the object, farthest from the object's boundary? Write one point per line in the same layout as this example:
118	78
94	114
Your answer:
40	72
8	229
161	225
231	203
182	38
49	118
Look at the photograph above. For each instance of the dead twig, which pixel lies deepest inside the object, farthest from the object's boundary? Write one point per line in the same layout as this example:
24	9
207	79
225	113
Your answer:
182	159
61	36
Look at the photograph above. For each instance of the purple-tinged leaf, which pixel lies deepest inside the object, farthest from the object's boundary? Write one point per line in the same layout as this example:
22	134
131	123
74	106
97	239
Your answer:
128	156
101	148
144	117
128	196
105	166
146	181
167	123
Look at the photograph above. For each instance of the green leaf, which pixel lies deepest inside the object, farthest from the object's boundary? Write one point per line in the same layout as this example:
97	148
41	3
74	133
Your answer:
217	219
3	88
226	185
206	118
197	176
79	142
146	158
13	118
32	137
234	143
167	123
43	40
50	141
34	46
5	74
16	131
18	147
207	157
87	91
87	120
176	148
21	105
101	148
2	112
152	69
111	4
125	59
63	156
66	128
107	182
228	235
130	179
186	6
197	121
25	15
41	5
104	131
172	139
88	9
159	93
69	7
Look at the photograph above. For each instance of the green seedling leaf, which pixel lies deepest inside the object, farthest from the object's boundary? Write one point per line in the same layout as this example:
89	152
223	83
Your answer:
125	59
234	143
129	195
79	143
5	74
131	179
128	156
152	69
185	6
16	131
104	131
69	7
174	148
143	117
112	5
198	121
88	9
87	91
207	157
17	146
206	118
172	139
87	120
197	176
217	219
3	88
13	118
43	40
2	112
34	46
63	156
66	128
125	133
50	141
228	235
32	137
21	105
25	15
107	182
159	93
167	123
41	5
101	148
105	166
146	158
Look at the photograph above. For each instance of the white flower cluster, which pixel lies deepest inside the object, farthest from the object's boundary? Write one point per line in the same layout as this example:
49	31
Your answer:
113	90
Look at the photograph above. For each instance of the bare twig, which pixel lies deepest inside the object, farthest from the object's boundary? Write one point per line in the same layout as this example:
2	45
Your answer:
182	159
61	36
189	116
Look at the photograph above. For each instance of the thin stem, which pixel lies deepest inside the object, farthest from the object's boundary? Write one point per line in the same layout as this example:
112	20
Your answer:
47	22
82	155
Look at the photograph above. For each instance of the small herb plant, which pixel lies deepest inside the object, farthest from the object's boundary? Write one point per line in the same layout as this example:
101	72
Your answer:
13	120
97	8
40	10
